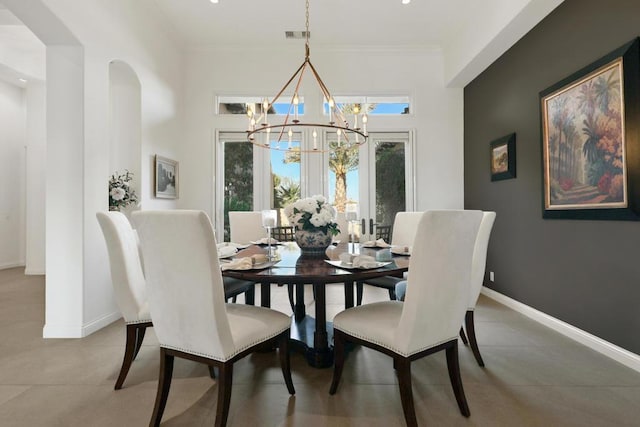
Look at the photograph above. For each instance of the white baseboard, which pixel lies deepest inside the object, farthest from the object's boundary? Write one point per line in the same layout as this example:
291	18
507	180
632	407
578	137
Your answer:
61	331
91	327
8	265
616	353
33	272
58	331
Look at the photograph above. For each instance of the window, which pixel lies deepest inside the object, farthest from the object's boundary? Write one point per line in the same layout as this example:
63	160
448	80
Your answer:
387	105
239	105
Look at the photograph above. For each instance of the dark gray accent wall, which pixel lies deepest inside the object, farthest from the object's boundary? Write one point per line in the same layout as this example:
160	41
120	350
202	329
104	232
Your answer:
586	273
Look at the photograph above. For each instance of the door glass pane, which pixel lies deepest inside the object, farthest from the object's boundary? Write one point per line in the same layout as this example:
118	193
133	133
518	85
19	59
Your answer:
343	175
238	179
390	181
285	175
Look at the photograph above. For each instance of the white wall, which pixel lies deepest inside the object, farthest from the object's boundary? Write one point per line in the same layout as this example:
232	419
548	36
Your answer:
125	123
36	164
22	55
481	42
122	30
437	111
82	39
12	175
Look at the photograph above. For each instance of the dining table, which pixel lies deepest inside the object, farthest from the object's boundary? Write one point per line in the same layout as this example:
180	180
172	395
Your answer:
312	335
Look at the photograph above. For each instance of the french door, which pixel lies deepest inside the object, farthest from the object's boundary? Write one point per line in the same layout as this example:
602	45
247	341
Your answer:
252	178
376	179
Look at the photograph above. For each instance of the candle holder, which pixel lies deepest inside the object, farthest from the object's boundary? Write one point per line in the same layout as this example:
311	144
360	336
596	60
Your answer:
351	215
269	220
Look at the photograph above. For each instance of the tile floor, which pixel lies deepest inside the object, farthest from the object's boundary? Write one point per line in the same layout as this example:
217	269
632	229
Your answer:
533	377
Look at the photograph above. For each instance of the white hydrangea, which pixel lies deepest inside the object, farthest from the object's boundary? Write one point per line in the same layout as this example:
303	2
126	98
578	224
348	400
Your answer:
118	193
314	210
317	220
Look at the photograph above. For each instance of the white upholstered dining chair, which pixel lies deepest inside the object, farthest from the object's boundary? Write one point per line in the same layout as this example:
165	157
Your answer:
405	225
128	283
186	299
429	319
477	279
245	227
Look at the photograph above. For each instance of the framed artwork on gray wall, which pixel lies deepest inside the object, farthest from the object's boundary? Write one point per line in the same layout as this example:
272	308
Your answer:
590	126
503	158
166	178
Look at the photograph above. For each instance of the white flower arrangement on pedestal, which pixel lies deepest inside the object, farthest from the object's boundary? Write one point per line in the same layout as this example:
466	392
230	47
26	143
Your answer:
313	214
120	192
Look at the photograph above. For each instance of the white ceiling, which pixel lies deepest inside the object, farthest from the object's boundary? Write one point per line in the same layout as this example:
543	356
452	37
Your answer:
424	23
471	33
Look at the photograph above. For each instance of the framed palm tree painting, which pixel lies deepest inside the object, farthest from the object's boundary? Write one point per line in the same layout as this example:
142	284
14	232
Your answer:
590	125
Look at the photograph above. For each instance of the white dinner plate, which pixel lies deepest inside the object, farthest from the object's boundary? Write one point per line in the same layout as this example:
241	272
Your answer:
340	264
264	243
227	256
374	245
399	250
256	266
238	246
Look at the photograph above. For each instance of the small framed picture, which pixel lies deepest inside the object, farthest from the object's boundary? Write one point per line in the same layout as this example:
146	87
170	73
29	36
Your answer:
503	158
166	177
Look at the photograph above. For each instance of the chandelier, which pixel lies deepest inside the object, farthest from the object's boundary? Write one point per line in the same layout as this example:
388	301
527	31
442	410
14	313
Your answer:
347	135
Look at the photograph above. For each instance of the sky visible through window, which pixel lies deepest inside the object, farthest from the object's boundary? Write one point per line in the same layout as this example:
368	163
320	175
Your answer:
292	171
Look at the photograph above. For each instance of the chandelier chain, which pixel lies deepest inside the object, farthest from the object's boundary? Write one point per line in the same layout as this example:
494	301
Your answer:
307	24
259	125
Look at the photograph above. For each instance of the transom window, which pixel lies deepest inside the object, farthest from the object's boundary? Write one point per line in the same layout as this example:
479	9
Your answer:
239	105
388	105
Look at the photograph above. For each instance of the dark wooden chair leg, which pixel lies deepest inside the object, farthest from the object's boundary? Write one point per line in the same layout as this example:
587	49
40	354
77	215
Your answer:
403	370
338	351
212	372
392	294
471	330
164	383
129	355
285	360
359	292
234	299
453	366
290	292
140	332
224	394
250	296
463	336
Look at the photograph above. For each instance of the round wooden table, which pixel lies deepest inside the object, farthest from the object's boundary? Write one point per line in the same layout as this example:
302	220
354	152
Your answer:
313	336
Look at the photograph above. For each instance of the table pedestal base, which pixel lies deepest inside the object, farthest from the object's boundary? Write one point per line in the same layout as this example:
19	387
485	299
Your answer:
303	338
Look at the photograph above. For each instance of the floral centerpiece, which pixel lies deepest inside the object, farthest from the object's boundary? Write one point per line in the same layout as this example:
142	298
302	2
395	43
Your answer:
120	192
314	219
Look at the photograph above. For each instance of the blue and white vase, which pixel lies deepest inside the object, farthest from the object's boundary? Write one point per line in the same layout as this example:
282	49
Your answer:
313	243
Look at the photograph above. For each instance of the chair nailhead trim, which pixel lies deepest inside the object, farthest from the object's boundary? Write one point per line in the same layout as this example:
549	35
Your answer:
219	359
388	347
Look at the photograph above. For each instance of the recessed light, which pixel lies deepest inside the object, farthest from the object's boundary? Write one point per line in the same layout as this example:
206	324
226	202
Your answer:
22	80
216	1
406	1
